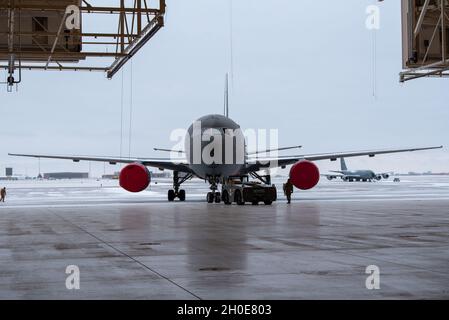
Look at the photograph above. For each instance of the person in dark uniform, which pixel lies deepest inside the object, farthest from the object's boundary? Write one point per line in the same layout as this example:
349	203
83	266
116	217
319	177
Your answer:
288	190
2	194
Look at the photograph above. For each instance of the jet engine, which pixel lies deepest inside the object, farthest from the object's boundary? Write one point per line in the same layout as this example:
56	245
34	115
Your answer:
135	177
385	176
379	177
304	175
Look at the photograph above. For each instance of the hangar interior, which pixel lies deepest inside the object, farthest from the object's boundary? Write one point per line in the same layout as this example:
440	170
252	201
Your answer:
34	34
425	33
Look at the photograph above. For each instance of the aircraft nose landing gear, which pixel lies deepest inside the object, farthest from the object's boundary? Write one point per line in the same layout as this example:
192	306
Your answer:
175	192
213	196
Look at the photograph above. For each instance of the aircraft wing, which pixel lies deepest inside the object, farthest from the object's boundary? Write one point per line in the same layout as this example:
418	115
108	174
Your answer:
256	164
161	163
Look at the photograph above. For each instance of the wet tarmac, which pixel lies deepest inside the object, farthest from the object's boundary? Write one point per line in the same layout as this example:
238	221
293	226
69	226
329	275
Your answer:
141	247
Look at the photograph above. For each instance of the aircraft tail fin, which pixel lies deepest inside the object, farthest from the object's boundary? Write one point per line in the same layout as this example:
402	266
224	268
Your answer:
226	97
343	164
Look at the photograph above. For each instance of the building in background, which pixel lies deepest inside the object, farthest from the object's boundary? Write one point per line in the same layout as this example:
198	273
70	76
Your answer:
8	175
113	176
66	175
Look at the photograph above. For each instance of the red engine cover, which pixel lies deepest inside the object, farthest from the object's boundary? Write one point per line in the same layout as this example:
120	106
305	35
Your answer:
135	177
304	175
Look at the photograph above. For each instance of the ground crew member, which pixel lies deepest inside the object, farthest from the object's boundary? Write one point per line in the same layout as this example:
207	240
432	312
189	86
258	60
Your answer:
288	190
2	195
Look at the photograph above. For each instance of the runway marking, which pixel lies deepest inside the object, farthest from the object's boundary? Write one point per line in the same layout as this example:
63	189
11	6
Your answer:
128	256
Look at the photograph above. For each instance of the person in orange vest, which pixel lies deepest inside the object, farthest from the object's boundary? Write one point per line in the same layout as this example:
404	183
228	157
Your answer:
288	190
2	194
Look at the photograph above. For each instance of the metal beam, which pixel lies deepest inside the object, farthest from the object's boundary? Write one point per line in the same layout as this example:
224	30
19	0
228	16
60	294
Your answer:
81	34
425	71
413	76
122	27
11	58
443	31
61	68
65	54
111	10
56	39
139	17
147	33
421	18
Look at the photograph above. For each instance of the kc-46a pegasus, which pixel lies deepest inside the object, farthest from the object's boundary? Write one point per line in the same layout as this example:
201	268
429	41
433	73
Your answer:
216	151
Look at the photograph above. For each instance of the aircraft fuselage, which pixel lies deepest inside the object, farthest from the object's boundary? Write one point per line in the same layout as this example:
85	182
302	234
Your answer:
361	174
215	147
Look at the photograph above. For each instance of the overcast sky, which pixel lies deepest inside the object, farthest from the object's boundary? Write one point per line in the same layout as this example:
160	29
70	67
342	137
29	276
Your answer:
303	67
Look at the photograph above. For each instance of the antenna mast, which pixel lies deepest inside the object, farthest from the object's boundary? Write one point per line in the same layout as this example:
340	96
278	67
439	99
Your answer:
226	97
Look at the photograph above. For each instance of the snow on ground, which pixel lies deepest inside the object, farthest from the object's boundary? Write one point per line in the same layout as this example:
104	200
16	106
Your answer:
43	192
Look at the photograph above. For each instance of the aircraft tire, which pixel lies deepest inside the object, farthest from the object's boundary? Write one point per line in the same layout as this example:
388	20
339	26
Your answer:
225	198
210	197
182	195
171	195
217	197
238	198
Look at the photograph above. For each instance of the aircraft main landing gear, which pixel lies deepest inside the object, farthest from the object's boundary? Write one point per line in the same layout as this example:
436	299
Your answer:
176	192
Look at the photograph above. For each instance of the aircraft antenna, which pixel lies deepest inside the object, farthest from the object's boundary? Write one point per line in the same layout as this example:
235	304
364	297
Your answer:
226	97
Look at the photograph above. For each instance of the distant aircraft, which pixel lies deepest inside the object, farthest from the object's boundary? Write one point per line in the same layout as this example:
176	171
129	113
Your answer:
357	175
135	177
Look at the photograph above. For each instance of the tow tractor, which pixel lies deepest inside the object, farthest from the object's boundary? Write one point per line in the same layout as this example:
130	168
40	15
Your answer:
240	190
